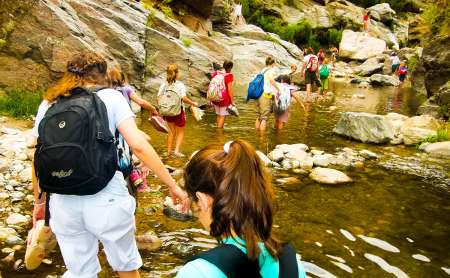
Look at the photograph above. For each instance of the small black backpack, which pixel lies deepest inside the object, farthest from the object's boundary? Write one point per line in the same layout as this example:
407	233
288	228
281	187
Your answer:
76	152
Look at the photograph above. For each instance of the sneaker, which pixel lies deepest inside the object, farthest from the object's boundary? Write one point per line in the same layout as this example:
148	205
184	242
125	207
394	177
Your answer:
178	154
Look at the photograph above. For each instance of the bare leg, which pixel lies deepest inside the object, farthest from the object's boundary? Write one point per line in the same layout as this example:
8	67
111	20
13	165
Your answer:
308	91
129	274
263	124
220	121
257	124
171	136
179	138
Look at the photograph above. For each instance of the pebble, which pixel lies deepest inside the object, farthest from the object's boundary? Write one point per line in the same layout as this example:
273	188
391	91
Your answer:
9	187
16	219
17	196
18	264
14	240
368	154
47	261
4	195
8	259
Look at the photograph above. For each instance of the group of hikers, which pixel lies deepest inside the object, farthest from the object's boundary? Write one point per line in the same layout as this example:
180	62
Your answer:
80	179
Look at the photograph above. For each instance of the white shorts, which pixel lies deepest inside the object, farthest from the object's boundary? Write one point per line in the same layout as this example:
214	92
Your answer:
221	110
80	222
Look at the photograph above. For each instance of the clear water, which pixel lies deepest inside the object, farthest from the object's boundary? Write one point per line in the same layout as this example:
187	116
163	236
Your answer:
392	218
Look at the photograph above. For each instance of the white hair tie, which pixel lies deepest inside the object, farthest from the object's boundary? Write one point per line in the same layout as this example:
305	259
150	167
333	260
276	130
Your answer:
226	147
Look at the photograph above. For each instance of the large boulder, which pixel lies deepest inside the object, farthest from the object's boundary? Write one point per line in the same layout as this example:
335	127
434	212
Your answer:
382	12
359	46
415	129
383	80
440	149
365	127
370	66
329	176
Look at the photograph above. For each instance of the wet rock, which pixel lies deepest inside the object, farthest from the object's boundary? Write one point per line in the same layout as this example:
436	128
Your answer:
174	211
368	154
14	240
286	148
440	149
301	171
25	175
365	127
323	160
298	155
316	152
359	46
329	176
17	196
288	180
7	250
383	80
148	241
4	195
17	219
266	161
9	259
307	164
276	155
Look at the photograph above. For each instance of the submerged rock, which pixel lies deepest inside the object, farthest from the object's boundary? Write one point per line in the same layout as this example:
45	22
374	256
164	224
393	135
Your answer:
276	155
365	127
329	176
174	211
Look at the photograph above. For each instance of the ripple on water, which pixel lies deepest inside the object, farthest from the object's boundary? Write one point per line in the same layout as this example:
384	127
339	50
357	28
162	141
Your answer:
446	270
343	266
347	234
316	270
397	272
336	258
380	244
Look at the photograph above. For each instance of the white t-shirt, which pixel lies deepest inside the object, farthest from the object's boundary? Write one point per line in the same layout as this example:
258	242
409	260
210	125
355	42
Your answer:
395	60
269	74
118	111
238	10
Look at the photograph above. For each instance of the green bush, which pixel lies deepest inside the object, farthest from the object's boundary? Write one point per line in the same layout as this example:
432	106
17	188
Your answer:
20	103
334	36
413	62
443	134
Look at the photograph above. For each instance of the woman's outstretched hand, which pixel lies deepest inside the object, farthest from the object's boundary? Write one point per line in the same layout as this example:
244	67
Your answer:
180	196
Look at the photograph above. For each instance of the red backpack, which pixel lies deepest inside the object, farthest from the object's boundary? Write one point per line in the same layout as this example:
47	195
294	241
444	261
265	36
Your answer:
313	64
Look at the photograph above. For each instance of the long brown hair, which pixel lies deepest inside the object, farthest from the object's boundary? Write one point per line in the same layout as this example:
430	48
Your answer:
116	77
81	69
172	73
242	192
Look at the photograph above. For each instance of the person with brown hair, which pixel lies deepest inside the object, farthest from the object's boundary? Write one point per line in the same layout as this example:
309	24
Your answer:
227	96
233	197
119	82
81	216
171	95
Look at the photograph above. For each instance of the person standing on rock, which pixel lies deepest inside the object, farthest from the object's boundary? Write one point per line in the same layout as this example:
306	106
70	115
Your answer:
76	161
265	102
171	96
233	196
321	56
334	53
366	21
309	72
227	95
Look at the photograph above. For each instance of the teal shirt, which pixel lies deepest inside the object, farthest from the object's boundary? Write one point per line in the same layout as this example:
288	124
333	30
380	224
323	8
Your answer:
268	265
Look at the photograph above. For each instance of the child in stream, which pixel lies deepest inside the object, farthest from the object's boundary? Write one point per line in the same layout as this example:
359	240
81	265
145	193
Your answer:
171	96
283	101
233	196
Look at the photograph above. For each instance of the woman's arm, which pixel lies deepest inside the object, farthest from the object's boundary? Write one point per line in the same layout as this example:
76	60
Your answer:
143	103
145	152
190	102
275	84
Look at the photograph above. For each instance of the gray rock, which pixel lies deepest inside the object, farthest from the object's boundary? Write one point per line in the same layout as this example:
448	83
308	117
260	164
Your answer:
307	164
365	127
14	240
382	12
323	160
298	155
368	154
359	46
5	232
415	129
440	149
17	196
286	148
276	155
369	67
383	80
4	195
329	176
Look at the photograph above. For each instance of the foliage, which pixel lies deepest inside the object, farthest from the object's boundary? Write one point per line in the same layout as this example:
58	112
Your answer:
436	17
271	38
166	10
413	62
397	5
186	42
334	36
443	134
20	103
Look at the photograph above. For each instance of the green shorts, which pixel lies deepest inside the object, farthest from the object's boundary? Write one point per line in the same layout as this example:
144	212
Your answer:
325	83
264	106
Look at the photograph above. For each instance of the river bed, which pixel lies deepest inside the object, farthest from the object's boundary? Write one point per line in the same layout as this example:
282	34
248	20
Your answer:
391	221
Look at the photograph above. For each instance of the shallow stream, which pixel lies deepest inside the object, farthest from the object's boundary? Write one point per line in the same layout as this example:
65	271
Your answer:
392	221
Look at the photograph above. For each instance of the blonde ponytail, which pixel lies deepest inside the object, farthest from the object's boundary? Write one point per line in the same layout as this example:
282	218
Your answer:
172	73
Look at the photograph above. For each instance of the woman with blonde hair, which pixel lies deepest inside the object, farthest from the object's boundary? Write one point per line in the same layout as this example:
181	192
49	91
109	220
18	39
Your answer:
232	194
171	96
87	207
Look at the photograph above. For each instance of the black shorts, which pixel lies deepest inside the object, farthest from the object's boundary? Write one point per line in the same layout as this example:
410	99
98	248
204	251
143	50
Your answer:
311	78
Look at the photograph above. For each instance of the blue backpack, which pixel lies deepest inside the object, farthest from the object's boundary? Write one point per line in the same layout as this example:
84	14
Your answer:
256	87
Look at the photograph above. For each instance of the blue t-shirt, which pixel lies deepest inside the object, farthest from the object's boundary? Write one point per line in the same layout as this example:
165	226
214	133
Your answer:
201	268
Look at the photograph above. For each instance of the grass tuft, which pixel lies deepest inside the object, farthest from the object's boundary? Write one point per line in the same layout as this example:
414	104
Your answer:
443	134
20	103
186	42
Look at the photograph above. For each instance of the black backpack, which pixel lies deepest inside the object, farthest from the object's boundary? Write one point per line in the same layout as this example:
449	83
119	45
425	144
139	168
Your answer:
76	152
235	264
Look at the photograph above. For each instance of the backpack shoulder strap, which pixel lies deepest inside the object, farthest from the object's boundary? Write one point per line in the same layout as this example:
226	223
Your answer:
288	262
231	261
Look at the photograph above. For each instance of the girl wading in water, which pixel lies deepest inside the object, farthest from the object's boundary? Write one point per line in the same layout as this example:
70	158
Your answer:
233	197
80	216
